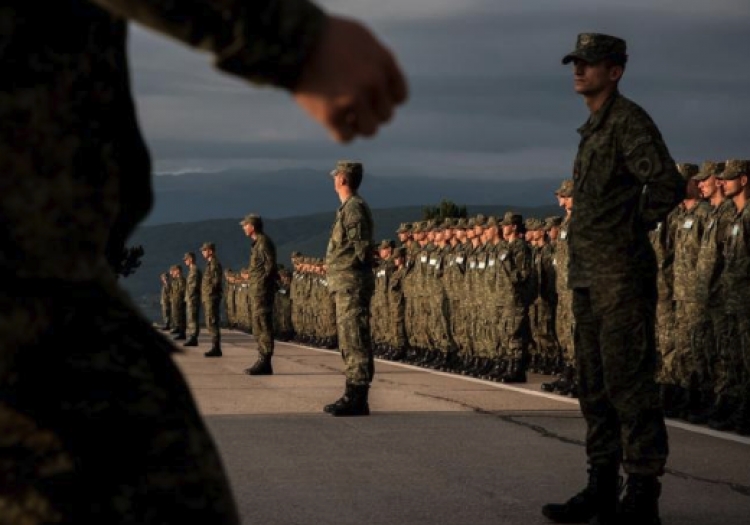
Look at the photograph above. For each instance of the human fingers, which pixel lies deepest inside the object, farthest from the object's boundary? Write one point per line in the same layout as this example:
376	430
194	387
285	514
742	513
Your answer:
398	88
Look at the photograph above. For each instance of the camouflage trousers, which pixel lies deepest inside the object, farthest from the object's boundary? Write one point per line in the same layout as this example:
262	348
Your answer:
685	364
664	340
212	315
121	438
262	322
166	313
565	326
615	352
193	318
735	352
353	329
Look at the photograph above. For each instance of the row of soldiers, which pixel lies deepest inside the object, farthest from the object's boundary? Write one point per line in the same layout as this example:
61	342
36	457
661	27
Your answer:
488	297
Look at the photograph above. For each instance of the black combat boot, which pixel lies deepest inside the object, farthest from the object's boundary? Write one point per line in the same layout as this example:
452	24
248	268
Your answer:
192	341
165	327
640	505
261	367
516	372
596	502
352	403
180	336
214	352
725	416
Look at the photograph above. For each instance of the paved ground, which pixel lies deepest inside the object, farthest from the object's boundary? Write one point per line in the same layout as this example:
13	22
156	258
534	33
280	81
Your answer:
438	448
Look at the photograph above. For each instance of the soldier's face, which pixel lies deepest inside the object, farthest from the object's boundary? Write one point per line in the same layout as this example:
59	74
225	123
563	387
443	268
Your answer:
735	186
708	187
592	79
553	233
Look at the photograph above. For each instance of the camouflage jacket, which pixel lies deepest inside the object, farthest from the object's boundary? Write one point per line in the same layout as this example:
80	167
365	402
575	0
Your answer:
688	231
736	276
624	182
262	266
212	285
710	265
349	254
193	288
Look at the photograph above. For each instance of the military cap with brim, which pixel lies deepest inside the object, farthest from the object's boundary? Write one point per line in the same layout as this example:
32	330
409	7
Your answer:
734	168
188	255
565	189
709	168
251	218
399	252
386	243
512	218
347	166
687	170
595	47
404	228
208	246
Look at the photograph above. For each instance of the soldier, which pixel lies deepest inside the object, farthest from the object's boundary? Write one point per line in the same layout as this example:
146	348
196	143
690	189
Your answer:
177	299
212	294
282	307
736	283
566	383
192	298
261	290
625	182
350	280
515	268
683	369
709	289
397	306
379	315
166	304
88	169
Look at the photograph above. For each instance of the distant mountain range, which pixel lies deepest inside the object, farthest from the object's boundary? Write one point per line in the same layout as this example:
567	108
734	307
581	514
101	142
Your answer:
165	244
191	197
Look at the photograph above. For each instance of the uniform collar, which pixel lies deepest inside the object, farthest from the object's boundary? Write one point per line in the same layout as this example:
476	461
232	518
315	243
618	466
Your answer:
597	119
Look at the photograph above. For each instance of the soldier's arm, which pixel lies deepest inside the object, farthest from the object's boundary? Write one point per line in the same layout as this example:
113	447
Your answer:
338	72
647	158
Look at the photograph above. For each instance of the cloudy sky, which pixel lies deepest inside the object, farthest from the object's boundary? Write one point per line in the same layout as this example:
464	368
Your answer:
489	97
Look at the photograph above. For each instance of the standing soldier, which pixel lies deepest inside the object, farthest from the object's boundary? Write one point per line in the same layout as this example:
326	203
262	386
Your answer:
683	368
736	280
709	287
350	279
212	293
261	290
625	181
566	382
397	306
193	298
177	297
282	307
166	302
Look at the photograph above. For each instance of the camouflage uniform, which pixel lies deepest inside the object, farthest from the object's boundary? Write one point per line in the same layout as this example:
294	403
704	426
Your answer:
193	296
165	301
261	289
212	294
625	181
350	280
177	299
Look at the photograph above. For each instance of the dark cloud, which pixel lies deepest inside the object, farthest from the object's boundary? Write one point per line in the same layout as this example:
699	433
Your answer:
489	95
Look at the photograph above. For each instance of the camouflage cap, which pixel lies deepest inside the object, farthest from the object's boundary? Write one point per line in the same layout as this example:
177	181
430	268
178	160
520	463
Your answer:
386	243
175	268
189	255
491	221
565	189
208	246
449	222
470	223
252	218
399	252
551	222
512	218
296	255
734	168
404	228
709	168
347	166
687	169
480	220
595	47
532	224
461	224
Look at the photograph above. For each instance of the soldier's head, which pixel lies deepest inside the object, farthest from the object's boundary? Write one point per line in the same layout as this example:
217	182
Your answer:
708	181
385	249
512	225
404	232
598	63
399	256
175	270
564	195
735	178
347	175
164	276
688	171
252	224
189	258
207	250
552	226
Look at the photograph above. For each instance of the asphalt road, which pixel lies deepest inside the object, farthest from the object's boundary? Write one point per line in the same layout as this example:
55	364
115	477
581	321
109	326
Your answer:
438	448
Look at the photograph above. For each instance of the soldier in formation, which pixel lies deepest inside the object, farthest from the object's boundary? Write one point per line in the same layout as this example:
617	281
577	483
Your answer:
192	298
177	301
